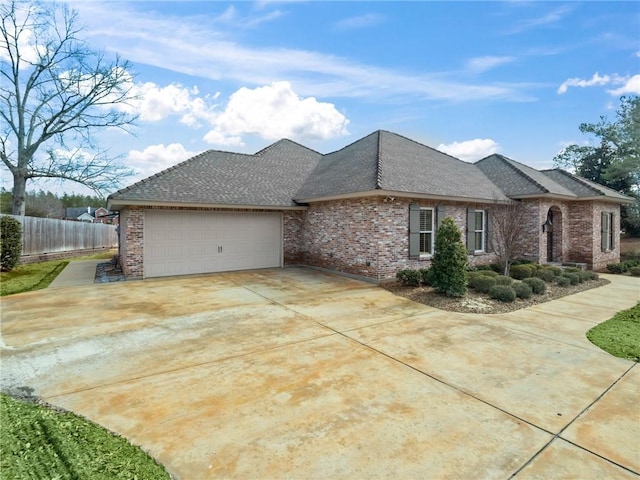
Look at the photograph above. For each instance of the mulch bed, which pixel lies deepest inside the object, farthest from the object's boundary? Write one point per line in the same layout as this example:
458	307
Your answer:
474	302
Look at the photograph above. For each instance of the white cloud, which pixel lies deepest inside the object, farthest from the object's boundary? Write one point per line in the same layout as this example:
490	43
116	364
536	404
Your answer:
628	84
361	21
470	150
482	64
155	158
550	18
631	85
197	46
273	112
596	80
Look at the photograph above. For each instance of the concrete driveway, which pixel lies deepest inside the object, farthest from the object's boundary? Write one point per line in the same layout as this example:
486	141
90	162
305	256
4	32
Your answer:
299	374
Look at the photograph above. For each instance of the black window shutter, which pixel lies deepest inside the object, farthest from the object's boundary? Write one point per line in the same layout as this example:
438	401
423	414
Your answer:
414	230
603	232
612	243
488	243
471	229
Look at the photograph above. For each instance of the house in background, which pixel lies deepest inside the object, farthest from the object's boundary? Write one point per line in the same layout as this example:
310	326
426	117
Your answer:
90	215
368	209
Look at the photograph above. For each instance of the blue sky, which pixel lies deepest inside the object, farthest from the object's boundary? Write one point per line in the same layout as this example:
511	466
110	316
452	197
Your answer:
469	78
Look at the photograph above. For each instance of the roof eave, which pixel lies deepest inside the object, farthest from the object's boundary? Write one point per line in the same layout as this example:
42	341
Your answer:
401	194
114	204
556	196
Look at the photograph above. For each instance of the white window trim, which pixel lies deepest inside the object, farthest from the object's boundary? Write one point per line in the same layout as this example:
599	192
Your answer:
432	231
608	232
483	230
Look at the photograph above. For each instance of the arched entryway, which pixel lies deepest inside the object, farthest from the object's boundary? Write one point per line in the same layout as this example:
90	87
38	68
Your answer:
553	228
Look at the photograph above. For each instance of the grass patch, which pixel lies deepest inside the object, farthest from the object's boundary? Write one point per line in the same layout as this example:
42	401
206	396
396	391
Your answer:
39	442
33	276
620	335
36	276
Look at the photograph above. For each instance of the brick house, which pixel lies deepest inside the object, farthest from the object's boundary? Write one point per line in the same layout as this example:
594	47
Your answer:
368	209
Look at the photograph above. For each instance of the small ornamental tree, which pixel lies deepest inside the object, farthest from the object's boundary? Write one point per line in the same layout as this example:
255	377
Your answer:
449	264
10	242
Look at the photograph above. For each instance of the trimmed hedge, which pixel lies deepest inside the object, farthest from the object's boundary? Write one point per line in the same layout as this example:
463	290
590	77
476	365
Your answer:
409	276
635	271
10	242
503	280
537	285
574	278
523	290
503	293
545	274
482	283
522	271
562	281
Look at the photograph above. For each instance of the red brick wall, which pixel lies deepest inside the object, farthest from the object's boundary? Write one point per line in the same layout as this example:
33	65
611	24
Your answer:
370	237
132	242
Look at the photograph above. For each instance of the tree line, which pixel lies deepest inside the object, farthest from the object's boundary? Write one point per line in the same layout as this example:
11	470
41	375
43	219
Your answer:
49	205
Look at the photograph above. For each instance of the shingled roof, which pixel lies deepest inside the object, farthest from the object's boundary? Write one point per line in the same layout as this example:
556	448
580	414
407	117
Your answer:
286	174
270	177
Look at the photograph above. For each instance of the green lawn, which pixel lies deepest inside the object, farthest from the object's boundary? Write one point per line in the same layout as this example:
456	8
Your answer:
35	276
620	335
38	442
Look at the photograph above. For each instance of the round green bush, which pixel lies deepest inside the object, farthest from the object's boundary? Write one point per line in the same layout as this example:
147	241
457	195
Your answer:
545	274
490	273
482	283
584	276
425	275
572	270
523	290
503	280
593	275
617	268
522	271
562	281
537	285
10	242
556	270
574	278
503	293
635	271
409	277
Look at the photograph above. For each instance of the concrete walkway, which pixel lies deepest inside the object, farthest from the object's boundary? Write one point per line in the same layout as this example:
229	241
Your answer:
76	274
294	373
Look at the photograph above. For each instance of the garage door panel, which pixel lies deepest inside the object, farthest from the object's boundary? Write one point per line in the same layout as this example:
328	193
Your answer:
179	242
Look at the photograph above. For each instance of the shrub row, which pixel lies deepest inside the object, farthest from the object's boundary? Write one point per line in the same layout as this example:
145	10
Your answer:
623	267
414	278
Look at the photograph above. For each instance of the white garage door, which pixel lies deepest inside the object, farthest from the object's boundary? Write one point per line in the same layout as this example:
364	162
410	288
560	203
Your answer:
180	243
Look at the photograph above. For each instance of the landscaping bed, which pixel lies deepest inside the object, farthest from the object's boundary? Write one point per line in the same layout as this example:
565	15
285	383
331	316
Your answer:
477	302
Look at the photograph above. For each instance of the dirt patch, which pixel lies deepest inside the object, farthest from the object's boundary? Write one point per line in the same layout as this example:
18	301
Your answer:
474	302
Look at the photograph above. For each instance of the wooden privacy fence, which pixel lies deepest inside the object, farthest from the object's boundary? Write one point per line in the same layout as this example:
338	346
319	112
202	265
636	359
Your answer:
48	235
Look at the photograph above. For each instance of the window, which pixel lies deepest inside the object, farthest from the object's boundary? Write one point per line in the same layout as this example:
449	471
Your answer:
426	231
476	230
607	230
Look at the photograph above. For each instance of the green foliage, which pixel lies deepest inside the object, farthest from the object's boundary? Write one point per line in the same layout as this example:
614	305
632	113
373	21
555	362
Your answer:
10	242
613	158
38	442
617	268
449	263
537	285
635	271
503	293
496	267
522	271
620	335
409	276
425	275
572	270
482	283
574	278
503	280
546	274
561	281
523	290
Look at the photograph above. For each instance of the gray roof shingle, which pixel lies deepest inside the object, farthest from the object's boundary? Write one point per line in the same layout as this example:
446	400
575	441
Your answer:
269	178
387	161
286	172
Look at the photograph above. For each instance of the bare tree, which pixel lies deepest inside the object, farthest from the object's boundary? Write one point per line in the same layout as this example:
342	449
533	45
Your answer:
508	223
55	93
